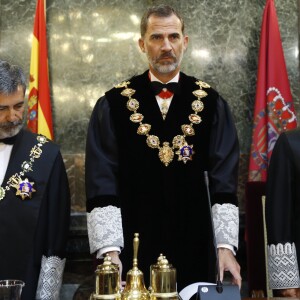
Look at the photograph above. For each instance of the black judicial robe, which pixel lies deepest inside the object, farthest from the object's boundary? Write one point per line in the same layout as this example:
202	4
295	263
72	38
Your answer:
36	227
167	206
283	211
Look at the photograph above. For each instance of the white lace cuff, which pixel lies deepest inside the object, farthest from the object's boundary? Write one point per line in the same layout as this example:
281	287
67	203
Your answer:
226	223
283	266
50	278
105	229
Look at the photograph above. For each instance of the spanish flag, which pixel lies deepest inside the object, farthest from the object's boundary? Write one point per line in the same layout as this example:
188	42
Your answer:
39	117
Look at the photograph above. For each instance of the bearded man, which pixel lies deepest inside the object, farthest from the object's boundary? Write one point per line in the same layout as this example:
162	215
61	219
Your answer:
149	142
34	197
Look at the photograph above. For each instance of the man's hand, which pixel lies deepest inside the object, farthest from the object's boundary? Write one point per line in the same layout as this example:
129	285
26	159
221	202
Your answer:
228	262
116	260
289	293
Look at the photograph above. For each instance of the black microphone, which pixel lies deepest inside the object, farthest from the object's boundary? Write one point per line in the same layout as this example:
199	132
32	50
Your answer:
218	291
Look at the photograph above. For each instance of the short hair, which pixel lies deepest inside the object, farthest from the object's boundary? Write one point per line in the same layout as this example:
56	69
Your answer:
11	77
159	11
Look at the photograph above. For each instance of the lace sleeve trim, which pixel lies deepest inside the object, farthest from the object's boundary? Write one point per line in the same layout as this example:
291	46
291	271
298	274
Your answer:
105	228
50	278
226	223
283	266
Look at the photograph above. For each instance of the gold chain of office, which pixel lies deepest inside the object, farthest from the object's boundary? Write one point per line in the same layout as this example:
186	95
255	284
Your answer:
24	188
179	144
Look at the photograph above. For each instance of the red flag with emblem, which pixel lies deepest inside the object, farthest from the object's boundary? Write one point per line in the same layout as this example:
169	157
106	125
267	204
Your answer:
274	111
39	117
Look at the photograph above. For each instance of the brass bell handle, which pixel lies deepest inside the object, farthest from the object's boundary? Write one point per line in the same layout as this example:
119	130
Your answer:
136	242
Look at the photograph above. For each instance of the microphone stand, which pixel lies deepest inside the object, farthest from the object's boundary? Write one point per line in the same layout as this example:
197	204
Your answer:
218	291
219	286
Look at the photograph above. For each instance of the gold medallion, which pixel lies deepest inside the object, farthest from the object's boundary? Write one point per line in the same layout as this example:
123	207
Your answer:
36	152
188	130
197	106
152	141
203	84
166	154
200	93
128	92
25	189
178	141
144	129
185	153
122	84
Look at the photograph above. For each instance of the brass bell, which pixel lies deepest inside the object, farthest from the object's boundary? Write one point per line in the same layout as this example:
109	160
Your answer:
163	280
107	284
135	288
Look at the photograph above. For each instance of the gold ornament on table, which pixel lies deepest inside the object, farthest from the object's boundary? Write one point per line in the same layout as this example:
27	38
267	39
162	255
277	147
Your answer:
135	288
179	143
163	280
107	282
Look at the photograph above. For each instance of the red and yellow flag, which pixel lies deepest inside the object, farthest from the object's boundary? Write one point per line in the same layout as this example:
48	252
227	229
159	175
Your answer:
39	117
274	111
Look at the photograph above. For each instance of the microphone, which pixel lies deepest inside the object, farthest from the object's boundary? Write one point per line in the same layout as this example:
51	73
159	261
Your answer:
218	291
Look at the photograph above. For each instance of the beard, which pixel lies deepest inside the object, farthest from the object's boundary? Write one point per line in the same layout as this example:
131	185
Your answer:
166	67
10	129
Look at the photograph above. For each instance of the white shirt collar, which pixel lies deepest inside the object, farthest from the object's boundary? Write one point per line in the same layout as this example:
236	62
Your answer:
5	152
174	79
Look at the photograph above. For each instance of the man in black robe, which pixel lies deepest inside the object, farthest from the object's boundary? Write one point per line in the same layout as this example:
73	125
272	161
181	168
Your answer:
283	215
34	197
147	150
